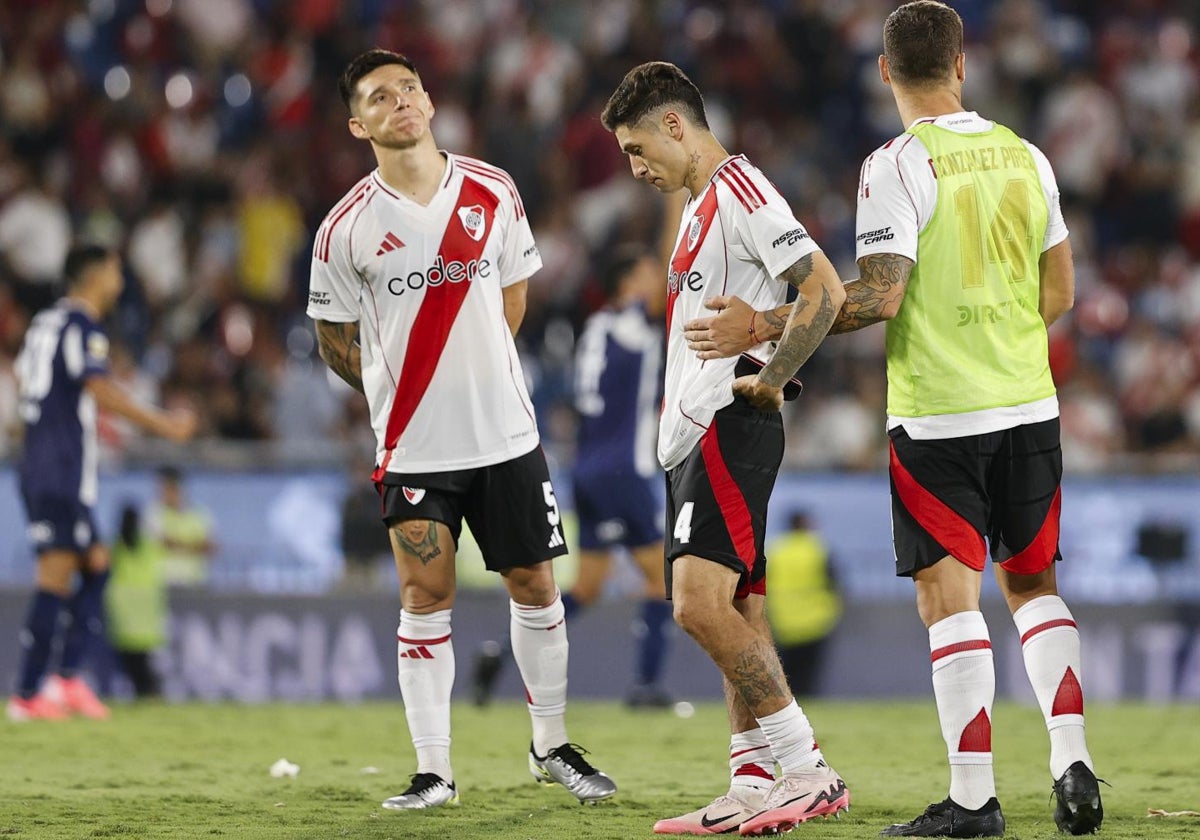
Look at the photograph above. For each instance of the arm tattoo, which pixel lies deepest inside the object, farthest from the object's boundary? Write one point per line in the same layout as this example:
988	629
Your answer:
757	677
777	319
806	327
341	352
424	548
798	272
882	284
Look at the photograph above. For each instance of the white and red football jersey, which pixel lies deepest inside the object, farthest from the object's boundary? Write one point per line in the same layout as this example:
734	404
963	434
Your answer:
440	370
735	238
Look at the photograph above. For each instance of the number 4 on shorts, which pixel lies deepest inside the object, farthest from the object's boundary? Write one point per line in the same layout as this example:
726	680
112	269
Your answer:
683	523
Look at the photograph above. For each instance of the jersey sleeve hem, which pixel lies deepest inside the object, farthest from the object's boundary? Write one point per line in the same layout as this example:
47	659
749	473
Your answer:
1056	241
908	253
332	317
526	271
786	261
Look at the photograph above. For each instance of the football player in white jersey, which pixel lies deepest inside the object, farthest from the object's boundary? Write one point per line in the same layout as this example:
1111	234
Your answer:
418	286
721	439
964	253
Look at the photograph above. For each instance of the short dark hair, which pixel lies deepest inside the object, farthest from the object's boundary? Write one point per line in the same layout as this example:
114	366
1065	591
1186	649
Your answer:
82	257
648	87
363	64
921	41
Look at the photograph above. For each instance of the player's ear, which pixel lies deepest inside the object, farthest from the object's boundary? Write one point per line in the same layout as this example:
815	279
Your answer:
673	125
960	67
884	73
357	129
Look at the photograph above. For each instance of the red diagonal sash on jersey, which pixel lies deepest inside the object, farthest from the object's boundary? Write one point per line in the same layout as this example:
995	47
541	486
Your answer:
440	307
689	248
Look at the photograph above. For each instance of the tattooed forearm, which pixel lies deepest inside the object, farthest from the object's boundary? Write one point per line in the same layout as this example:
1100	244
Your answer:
876	295
759	680
418	537
341	352
806	328
776	320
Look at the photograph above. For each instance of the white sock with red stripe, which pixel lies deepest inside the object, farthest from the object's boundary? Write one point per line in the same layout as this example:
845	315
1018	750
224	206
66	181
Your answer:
1050	646
791	738
751	765
539	645
964	685
425	668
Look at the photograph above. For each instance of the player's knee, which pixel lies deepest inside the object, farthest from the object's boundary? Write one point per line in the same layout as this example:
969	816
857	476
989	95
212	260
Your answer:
56	572
425	598
532	585
694	616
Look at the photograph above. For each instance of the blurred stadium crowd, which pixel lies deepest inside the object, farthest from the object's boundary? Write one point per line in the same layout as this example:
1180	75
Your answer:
205	139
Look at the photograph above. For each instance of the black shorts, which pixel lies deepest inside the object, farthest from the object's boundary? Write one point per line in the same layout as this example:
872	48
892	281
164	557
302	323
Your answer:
717	498
510	508
949	494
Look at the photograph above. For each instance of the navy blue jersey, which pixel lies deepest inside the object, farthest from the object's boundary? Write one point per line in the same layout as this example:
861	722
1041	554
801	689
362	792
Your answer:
63	347
618	393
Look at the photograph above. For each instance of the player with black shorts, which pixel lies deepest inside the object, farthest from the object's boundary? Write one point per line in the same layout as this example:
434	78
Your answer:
720	438
964	253
417	288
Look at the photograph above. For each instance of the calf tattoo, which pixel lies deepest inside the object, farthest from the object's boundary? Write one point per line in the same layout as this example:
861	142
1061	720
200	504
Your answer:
758	677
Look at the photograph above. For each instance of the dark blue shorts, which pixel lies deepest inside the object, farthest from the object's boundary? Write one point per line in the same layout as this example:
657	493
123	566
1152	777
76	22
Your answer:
58	522
617	509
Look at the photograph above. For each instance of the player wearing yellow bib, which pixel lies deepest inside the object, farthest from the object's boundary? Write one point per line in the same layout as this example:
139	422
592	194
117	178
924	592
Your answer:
964	253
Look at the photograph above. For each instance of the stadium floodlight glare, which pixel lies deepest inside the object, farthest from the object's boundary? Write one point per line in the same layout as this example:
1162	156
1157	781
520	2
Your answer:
179	90
117	83
237	90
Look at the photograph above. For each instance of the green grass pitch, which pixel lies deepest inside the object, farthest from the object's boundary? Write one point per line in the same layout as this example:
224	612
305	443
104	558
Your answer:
200	771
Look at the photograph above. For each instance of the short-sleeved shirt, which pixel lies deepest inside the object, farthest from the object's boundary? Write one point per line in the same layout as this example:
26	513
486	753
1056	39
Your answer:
736	237
424	283
618	391
64	346
897	196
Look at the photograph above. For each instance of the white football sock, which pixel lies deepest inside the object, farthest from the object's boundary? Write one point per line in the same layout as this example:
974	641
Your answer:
1051	649
425	667
964	685
751	765
791	738
539	645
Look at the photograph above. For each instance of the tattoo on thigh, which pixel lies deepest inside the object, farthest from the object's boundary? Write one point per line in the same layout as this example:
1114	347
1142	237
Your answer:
757	675
419	537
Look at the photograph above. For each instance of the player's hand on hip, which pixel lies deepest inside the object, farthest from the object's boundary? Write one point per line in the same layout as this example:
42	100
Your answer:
180	425
760	395
722	335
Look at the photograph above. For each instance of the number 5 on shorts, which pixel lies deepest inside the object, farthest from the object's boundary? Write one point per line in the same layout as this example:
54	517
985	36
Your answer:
683	523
